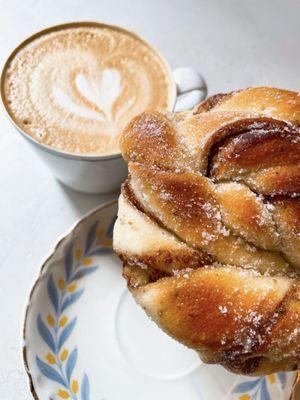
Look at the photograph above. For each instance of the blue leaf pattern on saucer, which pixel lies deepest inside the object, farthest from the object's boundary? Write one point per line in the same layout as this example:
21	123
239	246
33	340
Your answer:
59	364
259	388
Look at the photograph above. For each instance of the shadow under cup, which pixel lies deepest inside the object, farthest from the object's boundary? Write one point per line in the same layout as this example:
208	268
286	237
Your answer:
96	173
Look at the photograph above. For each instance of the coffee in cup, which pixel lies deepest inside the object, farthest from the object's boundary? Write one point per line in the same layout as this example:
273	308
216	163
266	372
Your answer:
75	87
70	90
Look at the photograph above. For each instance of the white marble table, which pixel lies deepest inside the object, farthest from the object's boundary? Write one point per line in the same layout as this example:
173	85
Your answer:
233	43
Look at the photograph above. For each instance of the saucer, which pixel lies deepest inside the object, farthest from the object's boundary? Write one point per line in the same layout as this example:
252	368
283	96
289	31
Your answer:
86	339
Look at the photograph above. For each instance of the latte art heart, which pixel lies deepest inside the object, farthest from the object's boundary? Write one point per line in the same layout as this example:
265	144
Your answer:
102	95
66	102
75	89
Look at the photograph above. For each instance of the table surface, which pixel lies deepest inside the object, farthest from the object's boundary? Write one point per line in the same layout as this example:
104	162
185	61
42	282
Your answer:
232	43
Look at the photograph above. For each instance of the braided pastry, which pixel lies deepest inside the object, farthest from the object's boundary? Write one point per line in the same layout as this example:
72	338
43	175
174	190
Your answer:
209	226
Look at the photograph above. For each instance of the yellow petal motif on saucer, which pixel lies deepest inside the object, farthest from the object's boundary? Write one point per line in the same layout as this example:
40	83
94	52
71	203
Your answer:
63	394
50	358
244	397
87	261
72	288
75	386
51	320
64	355
78	254
63	321
272	378
61	283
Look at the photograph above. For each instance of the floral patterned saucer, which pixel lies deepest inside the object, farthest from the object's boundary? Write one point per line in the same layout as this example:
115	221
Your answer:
86	339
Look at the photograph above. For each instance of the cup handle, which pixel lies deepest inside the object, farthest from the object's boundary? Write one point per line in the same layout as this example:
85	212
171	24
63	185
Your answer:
191	88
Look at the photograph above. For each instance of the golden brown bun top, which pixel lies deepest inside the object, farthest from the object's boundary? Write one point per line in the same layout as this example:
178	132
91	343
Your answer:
228	170
264	116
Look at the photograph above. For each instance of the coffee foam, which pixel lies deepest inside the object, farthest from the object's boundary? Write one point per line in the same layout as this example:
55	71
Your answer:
75	89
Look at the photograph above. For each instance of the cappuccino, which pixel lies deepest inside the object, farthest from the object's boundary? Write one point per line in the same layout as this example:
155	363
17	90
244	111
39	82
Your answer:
75	87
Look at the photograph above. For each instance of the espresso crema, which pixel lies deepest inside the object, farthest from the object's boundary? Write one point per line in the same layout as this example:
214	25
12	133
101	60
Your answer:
75	88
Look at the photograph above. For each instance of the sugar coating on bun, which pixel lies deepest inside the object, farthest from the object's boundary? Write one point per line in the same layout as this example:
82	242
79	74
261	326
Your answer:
223	192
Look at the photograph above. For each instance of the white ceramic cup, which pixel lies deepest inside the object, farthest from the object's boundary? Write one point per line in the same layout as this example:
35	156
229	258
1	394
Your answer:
104	174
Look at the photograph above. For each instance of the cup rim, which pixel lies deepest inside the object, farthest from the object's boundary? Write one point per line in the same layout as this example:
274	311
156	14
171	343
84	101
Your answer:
76	24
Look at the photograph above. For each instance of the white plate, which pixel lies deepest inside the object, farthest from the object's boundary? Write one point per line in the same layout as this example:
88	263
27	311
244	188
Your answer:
86	339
